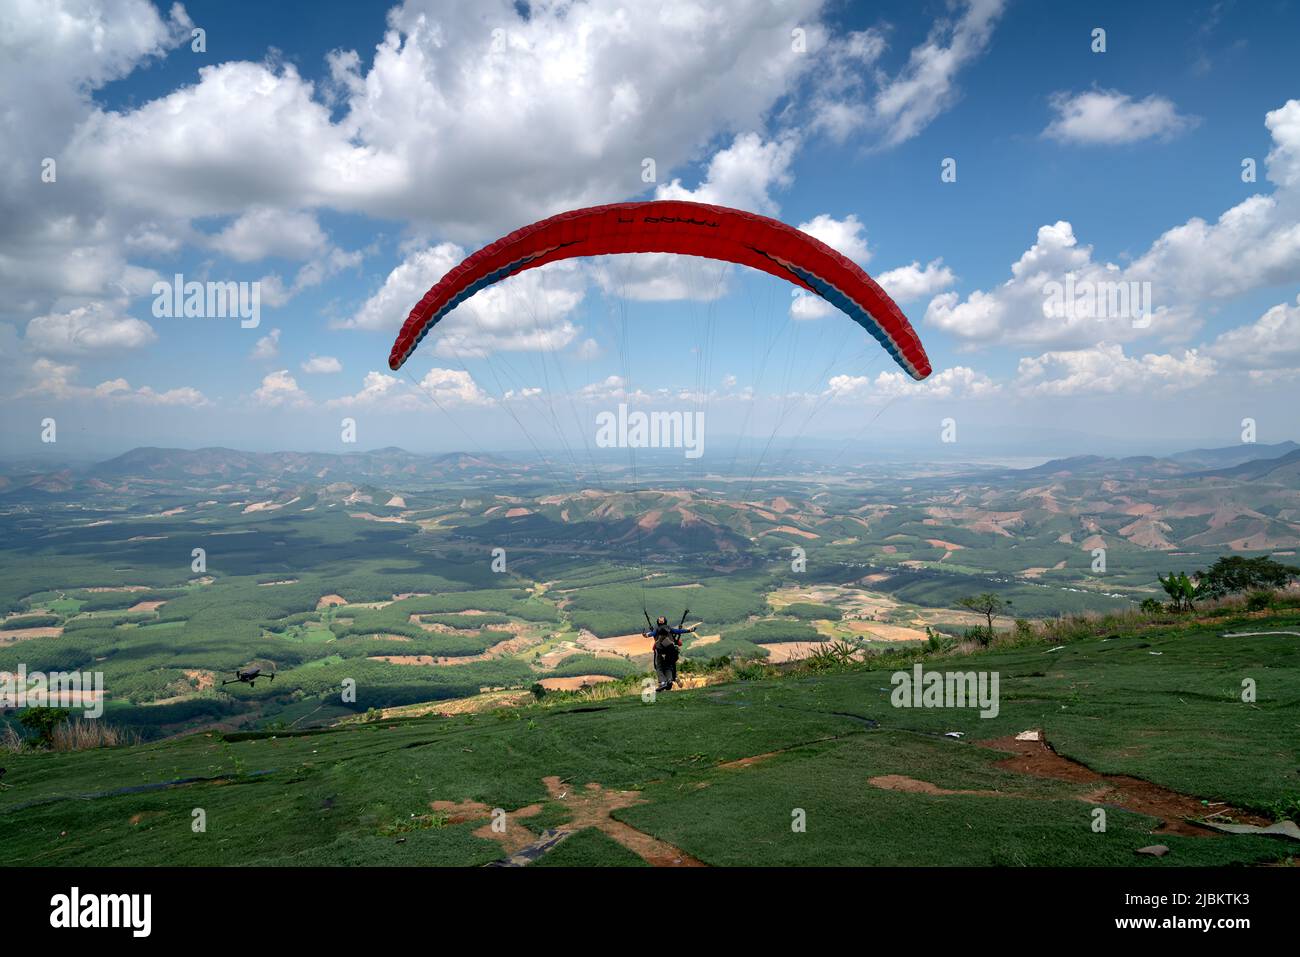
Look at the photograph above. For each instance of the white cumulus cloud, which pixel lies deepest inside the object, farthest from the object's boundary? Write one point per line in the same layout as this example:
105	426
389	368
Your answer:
96	327
1106	369
319	365
1109	117
280	390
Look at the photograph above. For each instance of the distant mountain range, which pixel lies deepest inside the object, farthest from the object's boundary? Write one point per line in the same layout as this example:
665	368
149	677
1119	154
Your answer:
1233	454
208	466
1283	469
1248	458
1033	524
155	469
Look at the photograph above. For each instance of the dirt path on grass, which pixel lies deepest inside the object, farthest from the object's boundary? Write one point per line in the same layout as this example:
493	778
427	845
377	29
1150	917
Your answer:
1035	757
513	839
590	806
901	782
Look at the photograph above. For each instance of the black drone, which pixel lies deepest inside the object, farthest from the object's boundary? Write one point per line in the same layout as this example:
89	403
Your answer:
248	676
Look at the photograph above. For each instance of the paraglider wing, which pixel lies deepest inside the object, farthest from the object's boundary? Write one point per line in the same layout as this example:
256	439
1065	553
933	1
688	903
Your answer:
674	226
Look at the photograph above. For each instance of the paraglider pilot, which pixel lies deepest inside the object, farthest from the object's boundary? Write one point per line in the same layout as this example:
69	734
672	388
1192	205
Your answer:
667	648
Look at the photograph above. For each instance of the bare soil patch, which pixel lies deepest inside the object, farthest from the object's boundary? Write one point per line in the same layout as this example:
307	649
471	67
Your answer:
471	705
372	517
901	782
203	680
876	629
783	651
634	644
1036	758
592	807
791	530
22	634
573	683
553	657
750	761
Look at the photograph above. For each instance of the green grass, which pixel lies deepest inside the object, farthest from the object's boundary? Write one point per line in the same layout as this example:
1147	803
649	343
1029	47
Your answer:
331	797
850	823
590	848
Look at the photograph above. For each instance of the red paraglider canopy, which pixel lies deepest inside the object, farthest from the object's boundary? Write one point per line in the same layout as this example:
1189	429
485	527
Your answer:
674	226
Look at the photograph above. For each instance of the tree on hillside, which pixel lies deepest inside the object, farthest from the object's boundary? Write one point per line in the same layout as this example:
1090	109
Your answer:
1233	574
987	604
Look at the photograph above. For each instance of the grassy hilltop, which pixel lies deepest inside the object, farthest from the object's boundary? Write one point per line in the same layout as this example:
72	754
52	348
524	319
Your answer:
716	775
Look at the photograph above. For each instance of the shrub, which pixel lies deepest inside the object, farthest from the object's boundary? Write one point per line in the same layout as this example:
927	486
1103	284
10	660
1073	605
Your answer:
83	734
1069	628
43	722
832	656
1287	809
1184	592
10	740
1260	600
750	671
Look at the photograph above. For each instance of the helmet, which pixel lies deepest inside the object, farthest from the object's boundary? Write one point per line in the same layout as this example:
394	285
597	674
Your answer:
662	620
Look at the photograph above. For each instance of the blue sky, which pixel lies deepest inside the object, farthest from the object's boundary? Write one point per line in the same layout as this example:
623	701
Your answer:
344	155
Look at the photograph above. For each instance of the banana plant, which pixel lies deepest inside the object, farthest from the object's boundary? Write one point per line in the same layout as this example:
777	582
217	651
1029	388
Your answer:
1182	590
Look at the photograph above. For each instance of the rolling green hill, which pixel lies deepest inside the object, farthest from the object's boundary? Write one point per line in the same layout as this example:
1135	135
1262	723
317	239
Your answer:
724	774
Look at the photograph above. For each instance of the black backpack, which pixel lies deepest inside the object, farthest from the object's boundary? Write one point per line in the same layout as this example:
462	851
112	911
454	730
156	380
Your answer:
665	641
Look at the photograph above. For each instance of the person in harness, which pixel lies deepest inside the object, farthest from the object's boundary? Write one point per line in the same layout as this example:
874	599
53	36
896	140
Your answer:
667	648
